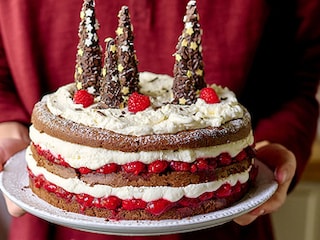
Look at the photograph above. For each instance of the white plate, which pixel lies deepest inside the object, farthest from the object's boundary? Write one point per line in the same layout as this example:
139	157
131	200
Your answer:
14	184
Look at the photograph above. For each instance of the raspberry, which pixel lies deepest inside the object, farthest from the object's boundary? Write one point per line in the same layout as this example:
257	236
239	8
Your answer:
50	187
241	156
224	191
180	166
108	168
84	199
110	202
133	204
209	95
159	206
225	159
134	167
138	102
237	188
84	170
157	166
201	164
206	196
83	97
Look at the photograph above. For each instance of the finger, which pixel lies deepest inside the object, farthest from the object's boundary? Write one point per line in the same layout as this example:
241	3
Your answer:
279	159
248	218
283	161
13	209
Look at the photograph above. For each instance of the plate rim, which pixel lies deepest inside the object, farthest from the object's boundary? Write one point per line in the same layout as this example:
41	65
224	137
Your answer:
131	227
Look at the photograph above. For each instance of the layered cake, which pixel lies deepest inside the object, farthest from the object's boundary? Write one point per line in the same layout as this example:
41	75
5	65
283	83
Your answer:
128	145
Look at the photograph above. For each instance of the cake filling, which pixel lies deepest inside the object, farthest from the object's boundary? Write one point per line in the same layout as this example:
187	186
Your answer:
81	155
173	194
157	166
154	207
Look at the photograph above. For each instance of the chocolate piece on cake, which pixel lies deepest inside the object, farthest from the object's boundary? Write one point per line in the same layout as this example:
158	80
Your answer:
188	68
127	61
110	90
88	58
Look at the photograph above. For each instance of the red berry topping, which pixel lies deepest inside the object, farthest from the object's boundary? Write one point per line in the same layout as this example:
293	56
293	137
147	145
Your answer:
193	168
84	170
237	188
83	97
132	204
108	168
111	202
39	181
157	166
189	202
159	206
202	164
241	156
85	199
134	167
50	187
225	159
209	95
224	191
138	102
60	192
180	166
206	196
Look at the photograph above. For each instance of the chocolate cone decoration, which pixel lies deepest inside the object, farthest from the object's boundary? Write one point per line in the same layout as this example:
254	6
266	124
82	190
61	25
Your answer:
188	68
110	89
88	58
127	61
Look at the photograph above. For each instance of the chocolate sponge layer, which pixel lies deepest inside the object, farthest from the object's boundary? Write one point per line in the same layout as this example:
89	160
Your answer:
44	121
176	212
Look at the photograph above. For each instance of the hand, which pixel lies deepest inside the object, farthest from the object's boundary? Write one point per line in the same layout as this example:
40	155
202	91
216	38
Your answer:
283	163
14	137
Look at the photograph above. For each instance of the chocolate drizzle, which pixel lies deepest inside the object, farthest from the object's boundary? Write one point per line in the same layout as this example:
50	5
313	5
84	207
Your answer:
188	68
88	58
110	89
127	61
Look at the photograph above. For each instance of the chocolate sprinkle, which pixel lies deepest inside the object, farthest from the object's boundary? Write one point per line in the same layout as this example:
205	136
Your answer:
88	58
188	69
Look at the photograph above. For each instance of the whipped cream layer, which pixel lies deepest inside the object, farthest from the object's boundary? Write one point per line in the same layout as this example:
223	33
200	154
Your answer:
159	118
93	158
74	185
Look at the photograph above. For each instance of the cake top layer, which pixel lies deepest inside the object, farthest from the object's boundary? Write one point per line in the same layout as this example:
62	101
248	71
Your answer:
114	96
159	118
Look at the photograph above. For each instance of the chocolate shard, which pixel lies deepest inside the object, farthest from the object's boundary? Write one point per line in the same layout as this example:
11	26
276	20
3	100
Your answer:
188	68
110	88
88	57
127	60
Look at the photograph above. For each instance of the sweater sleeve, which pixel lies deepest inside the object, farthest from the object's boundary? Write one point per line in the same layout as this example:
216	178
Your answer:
294	123
294	126
11	108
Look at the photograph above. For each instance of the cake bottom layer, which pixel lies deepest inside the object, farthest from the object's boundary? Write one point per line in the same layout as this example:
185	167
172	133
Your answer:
138	210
